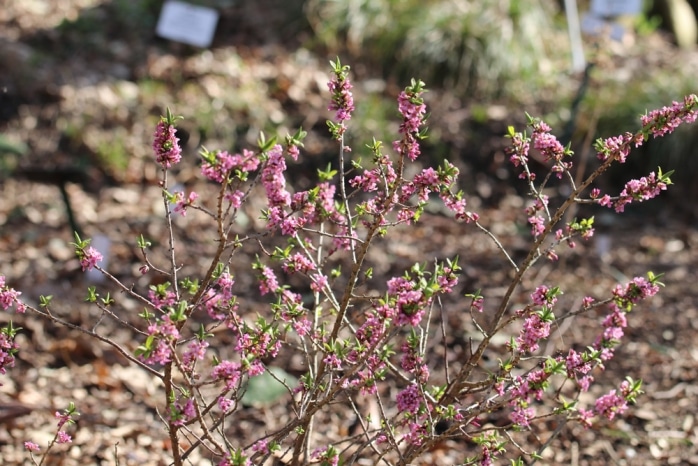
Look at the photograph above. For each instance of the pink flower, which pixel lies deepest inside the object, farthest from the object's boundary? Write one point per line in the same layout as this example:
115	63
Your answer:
645	188
522	416
196	350
273	178
261	446
229	372
219	165
182	203
31	446
616	146
267	281
665	120
409	400
235	198
319	283
8	348
342	99
63	418
610	404
298	263
10	296
225	404
63	437
534	330
89	258
166	145
585	417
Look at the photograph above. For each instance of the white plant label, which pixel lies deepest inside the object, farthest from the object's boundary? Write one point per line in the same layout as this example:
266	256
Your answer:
190	24
594	25
610	8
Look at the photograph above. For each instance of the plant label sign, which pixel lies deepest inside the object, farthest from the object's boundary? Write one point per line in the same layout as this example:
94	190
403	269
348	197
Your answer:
190	24
596	26
610	8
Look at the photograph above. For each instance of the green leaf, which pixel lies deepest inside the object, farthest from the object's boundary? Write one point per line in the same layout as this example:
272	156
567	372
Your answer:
11	148
142	242
45	300
265	144
328	174
264	389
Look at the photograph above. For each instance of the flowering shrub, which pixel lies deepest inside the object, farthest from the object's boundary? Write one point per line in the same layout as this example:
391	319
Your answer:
356	343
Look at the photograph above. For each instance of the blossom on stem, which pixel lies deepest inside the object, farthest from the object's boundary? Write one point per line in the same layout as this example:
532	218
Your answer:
342	99
181	203
9	297
326	456
229	372
645	188
409	399
274	183
522	415
8	348
89	258
261	446
267	281
31	446
666	119
166	144
196	351
217	166
617	147
610	405
535	328
638	289
413	110
550	148
180	413
161	337
578	368
63	437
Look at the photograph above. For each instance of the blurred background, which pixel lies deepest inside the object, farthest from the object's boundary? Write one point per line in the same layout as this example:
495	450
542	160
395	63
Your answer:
82	82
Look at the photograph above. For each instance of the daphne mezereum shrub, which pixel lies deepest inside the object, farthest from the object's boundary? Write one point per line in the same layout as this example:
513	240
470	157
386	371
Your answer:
362	347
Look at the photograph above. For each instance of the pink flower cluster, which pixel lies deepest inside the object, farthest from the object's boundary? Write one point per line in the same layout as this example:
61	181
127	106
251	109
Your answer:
665	120
181	413
181	203
161	297
413	111
614	402
196	351
10	297
219	165
325	456
579	367
550	148
229	372
89	258
638	289
617	147
413	362
409	399
406	304
8	349
342	99
535	218
537	324
164	334
166	144
640	190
